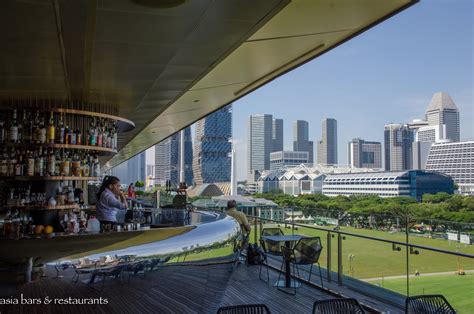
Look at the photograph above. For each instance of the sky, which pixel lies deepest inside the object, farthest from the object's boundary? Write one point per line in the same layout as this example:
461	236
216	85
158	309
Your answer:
387	74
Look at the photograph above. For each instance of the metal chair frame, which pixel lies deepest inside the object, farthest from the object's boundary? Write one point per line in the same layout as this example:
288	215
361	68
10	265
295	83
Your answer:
427	304
336	306
244	309
290	255
264	247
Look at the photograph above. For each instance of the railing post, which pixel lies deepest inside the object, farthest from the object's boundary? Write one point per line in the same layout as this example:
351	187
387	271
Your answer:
328	264
339	259
255	230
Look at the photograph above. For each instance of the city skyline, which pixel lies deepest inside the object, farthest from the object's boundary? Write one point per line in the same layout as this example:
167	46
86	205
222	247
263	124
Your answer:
408	59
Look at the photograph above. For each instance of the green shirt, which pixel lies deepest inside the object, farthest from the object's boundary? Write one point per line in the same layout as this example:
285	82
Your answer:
240	217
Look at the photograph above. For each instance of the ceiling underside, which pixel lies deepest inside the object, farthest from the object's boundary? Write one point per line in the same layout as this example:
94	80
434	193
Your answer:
167	68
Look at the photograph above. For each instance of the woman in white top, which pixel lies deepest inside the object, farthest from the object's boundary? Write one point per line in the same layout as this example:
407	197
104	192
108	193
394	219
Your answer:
110	200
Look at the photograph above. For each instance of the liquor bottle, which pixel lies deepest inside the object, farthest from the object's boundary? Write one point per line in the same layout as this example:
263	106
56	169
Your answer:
96	166
92	133
60	136
18	166
35	132
24	164
31	164
36	163
67	136
51	129
20	132
4	164
73	136
42	132
2	131
114	138
39	162
57	168
99	133
78	137
12	163
27	127
14	129
86	170
51	163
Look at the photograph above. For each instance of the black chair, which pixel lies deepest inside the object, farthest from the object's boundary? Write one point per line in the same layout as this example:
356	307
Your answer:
115	271
244	309
427	304
135	268
269	247
338	306
305	252
154	263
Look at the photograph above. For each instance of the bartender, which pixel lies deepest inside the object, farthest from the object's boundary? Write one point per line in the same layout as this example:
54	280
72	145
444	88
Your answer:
110	201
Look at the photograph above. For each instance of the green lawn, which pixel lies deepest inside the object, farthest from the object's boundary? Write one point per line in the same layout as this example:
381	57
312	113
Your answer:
458	290
377	259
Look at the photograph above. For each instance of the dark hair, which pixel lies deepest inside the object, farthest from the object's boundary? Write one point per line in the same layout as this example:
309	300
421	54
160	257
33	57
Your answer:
130	185
231	204
108	180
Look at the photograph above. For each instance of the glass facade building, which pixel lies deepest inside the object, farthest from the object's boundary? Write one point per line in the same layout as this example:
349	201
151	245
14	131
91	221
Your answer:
167	159
327	146
363	154
301	142
398	141
213	147
412	183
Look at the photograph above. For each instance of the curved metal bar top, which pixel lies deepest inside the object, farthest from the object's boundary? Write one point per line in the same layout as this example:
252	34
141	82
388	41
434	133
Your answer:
213	230
207	230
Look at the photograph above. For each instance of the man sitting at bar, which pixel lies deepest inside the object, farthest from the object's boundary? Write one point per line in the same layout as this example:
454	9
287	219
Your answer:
110	201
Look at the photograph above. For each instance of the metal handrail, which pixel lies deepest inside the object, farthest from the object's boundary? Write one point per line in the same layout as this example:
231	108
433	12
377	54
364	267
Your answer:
370	238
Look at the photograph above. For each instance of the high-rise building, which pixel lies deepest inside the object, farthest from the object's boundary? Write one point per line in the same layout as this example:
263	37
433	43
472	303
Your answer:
455	160
398	140
442	110
363	154
260	144
327	146
301	142
167	159
277	135
282	159
213	147
132	170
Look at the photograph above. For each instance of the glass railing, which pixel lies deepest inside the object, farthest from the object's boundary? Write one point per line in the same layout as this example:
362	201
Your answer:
392	260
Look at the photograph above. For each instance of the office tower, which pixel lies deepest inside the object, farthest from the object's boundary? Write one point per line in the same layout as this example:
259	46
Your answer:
260	144
282	159
277	135
213	147
442	110
363	154
132	170
455	160
301	142
398	140
327	146
167	159
420	154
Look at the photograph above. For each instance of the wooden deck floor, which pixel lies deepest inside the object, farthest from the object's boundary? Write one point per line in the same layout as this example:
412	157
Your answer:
190	288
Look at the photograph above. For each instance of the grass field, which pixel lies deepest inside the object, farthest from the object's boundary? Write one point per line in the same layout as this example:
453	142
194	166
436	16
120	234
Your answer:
458	290
375	259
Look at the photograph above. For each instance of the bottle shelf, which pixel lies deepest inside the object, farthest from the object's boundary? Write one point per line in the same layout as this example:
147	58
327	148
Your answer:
45	207
98	149
124	125
48	178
